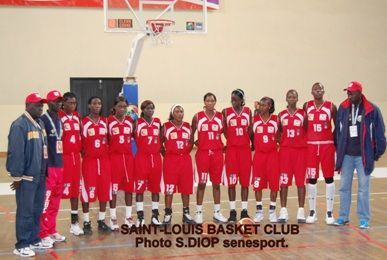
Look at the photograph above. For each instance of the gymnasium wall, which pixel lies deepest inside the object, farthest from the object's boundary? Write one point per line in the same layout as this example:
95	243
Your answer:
264	47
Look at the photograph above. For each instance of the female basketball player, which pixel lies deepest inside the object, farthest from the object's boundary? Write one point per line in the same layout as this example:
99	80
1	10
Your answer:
292	154
238	154
120	129
209	156
148	164
95	165
178	172
266	161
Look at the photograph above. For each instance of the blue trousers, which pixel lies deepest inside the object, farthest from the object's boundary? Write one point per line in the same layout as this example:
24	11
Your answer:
29	203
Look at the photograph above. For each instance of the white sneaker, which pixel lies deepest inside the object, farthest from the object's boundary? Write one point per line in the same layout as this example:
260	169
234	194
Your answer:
219	218
114	224
76	230
283	216
329	219
258	216
56	237
45	243
273	217
24	252
301	215
312	218
140	222
129	221
198	217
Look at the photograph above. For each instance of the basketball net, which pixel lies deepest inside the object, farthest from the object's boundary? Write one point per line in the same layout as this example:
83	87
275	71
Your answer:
160	31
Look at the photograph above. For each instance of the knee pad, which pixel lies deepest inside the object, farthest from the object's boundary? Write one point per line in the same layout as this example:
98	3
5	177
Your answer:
312	181
329	180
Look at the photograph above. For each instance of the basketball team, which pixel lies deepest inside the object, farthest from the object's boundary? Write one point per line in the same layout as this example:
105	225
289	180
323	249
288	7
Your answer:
58	154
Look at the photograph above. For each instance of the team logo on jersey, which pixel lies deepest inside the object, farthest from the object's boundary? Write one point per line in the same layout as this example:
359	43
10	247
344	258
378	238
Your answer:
115	130
244	122
76	126
102	131
323	117
90	132
215	128
233	122
185	136
297	122
285	122
204	127
66	127
173	136
126	130
144	132
270	129
259	129
156	131
310	117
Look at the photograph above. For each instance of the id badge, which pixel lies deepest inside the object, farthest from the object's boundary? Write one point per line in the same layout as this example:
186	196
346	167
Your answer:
59	147
45	153
353	131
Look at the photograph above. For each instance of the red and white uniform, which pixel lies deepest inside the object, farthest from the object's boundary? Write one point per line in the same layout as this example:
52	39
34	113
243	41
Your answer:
95	165
178	171
266	159
238	153
148	163
320	140
121	157
292	148
209	156
72	145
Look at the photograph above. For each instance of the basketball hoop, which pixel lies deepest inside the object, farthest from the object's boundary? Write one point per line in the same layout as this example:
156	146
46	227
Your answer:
160	30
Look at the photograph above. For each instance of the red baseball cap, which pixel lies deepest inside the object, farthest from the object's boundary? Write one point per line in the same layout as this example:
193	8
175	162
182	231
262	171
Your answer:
53	95
35	98
354	86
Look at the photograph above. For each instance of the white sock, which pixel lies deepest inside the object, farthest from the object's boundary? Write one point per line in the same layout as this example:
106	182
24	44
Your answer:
128	211
139	206
113	213
259	203
86	217
74	212
101	215
232	205
330	195
199	208
155	205
216	207
312	196
244	205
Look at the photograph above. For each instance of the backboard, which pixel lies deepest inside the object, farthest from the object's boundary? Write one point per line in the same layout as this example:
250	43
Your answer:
189	16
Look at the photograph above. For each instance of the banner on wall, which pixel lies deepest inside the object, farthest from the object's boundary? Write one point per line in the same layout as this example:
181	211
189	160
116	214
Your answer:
185	5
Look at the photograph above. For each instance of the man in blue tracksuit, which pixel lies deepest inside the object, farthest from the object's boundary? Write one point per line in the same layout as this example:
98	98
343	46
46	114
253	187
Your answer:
27	164
360	142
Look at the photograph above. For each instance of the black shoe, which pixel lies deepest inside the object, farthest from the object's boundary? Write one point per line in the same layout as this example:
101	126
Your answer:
167	217
232	218
74	218
103	227
155	217
187	219
87	230
140	218
244	214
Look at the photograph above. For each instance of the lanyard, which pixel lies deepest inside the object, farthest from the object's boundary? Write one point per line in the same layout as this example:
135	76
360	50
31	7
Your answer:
354	114
36	124
58	136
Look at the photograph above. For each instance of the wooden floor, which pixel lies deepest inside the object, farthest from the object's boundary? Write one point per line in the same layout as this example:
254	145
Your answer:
313	241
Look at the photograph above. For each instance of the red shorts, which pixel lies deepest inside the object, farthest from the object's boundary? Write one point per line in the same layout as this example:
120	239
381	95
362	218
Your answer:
292	163
122	166
148	168
71	175
96	181
178	174
323	154
209	163
266	170
238	165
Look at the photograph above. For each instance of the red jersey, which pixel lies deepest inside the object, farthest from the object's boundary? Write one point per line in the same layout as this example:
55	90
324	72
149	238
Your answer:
209	131
95	137
238	127
177	139
71	138
148	136
120	134
293	133
265	133
319	121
